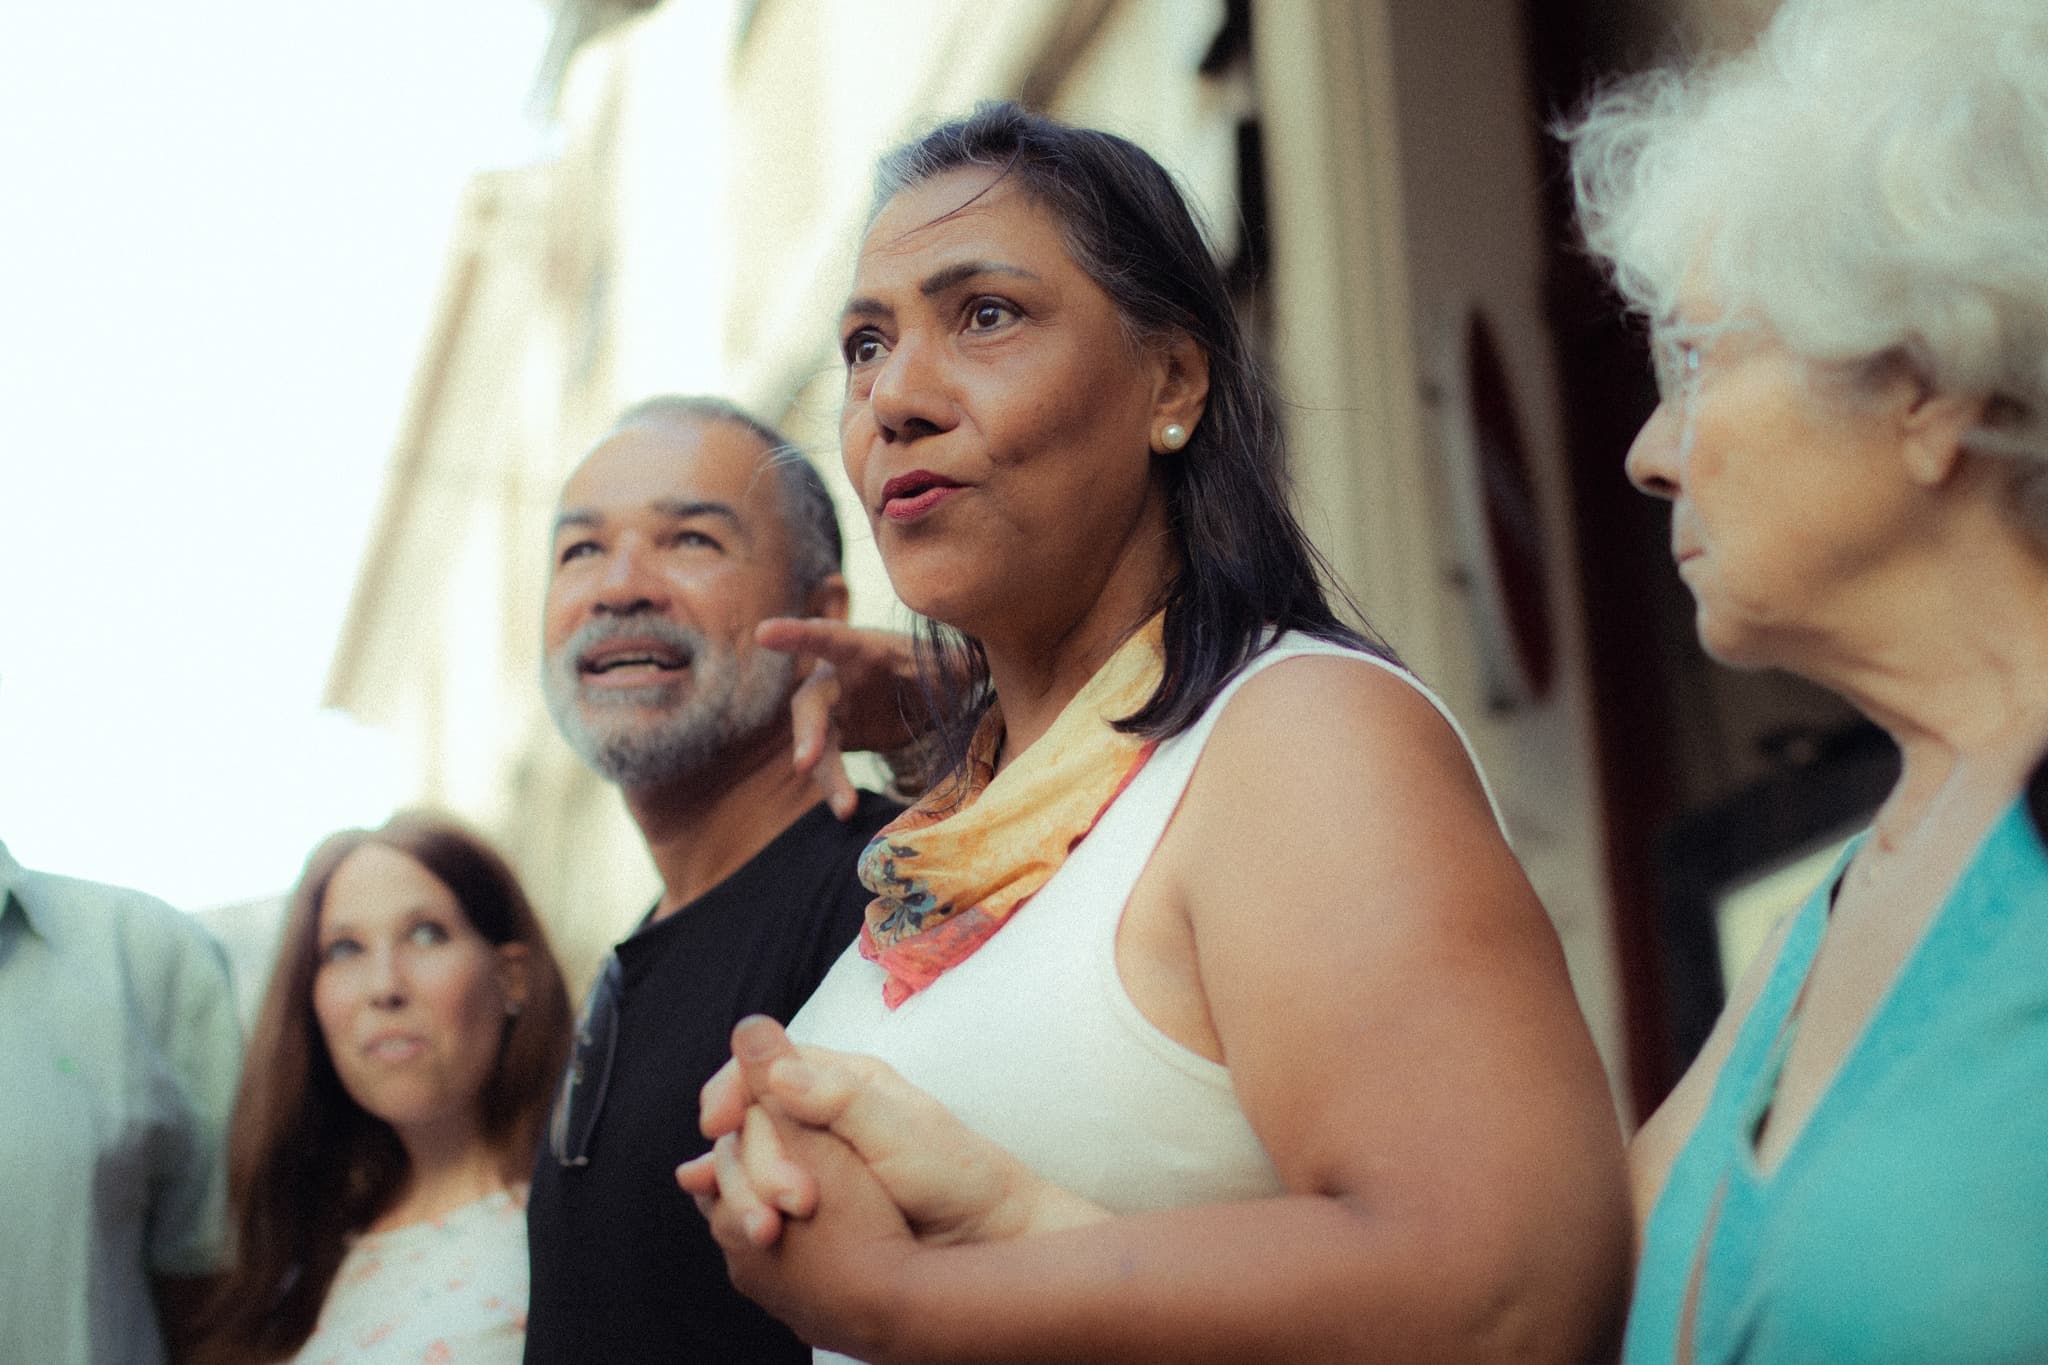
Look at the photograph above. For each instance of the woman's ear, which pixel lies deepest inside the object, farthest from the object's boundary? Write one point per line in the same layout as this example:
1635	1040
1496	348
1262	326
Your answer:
513	961
1934	428
1180	391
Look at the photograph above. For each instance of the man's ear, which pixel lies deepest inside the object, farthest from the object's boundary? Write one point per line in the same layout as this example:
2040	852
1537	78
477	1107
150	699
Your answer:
513	964
1934	428
1180	390
828	598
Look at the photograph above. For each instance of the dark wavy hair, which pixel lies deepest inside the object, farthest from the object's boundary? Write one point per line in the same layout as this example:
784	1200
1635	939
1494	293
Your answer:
307	1166
1247	568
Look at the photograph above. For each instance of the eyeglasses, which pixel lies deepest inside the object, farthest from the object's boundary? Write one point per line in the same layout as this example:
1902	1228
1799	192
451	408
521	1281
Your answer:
581	1097
1679	352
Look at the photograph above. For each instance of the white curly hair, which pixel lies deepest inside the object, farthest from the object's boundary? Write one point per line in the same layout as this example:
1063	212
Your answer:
1870	179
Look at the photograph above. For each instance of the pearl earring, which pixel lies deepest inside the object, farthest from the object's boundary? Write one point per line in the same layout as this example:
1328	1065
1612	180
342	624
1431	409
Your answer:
1174	437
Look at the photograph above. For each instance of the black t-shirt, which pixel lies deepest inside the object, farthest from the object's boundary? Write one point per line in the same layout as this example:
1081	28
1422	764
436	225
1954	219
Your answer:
624	1268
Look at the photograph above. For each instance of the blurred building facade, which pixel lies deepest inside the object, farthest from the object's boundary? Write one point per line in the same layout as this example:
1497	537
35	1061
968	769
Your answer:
1376	174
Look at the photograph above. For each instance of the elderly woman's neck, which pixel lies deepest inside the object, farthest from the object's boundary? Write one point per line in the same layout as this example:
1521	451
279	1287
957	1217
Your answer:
1960	680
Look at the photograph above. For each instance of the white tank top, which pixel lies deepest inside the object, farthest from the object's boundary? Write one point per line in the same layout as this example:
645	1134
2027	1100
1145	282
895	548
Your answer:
1032	1041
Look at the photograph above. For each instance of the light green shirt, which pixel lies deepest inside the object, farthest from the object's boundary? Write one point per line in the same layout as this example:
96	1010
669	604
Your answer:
119	1055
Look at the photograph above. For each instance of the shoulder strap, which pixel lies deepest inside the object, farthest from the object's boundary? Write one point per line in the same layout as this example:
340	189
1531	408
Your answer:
1177	757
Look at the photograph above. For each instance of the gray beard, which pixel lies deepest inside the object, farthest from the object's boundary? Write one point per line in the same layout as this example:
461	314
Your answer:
665	734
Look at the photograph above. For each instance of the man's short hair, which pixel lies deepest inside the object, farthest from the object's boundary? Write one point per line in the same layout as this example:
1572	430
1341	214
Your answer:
815	549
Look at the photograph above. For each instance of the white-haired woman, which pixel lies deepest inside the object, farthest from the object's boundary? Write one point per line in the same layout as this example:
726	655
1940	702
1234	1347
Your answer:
1840	239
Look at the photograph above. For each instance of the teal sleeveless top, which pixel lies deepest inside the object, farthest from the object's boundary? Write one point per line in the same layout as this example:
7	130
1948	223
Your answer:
1908	1220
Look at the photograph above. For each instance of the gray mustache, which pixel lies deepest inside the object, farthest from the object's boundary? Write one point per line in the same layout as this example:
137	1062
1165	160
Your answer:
686	642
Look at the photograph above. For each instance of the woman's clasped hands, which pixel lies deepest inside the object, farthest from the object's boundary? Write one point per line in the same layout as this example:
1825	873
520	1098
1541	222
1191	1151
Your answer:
815	1151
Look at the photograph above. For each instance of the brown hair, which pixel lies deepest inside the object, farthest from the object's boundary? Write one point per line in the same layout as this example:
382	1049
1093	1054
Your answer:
307	1165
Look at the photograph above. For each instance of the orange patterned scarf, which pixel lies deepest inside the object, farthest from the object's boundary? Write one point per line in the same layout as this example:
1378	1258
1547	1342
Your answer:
950	870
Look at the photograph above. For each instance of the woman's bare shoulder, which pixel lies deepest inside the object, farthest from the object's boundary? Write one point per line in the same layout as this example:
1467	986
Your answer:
1314	727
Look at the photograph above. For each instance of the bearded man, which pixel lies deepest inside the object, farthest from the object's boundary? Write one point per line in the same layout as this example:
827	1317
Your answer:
684	528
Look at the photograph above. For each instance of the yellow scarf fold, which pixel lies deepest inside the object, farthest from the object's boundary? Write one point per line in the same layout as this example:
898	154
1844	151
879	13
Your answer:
948	872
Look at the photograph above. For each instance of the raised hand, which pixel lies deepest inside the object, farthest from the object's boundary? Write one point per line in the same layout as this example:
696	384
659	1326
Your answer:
855	697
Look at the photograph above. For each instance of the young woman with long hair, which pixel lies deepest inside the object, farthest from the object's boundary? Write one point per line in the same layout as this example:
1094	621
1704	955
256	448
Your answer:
400	1072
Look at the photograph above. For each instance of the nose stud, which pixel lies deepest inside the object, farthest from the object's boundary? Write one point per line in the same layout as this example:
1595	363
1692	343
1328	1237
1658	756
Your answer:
1174	436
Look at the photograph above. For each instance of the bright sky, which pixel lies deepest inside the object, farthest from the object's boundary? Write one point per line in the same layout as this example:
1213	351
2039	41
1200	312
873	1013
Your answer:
222	223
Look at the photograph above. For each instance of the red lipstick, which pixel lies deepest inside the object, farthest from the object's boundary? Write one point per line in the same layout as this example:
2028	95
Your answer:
910	496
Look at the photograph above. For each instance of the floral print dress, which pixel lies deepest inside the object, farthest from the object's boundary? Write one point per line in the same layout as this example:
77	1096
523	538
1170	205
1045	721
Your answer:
447	1291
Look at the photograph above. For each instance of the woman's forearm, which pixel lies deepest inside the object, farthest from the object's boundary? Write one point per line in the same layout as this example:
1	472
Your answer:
1300	1278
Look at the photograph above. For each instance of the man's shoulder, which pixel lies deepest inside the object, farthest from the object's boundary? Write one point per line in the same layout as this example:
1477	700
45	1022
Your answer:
874	811
58	901
828	844
141	930
814	860
816	857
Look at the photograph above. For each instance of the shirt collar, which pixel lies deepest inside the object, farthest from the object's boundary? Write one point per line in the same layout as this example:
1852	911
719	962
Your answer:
14	891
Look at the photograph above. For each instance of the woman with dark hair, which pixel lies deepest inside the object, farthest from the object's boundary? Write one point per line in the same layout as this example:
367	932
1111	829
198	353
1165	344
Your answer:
1274	1056
401	1067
